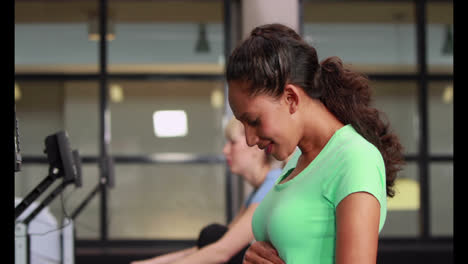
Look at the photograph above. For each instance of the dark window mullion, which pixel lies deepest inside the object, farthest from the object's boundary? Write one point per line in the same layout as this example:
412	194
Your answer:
423	161
104	122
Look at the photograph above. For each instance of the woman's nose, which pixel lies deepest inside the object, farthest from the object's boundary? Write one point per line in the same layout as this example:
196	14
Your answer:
250	136
226	148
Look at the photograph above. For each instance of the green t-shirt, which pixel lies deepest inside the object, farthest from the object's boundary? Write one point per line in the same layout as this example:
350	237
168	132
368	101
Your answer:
299	216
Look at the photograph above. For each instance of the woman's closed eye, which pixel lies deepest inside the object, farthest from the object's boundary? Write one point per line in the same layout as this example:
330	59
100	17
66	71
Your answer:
255	122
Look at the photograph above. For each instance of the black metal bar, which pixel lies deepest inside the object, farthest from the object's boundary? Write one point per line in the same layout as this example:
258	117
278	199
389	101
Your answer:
195	159
200	77
167	76
432	158
300	16
34	194
409	77
104	115
125	76
441	158
46	201
420	10
171	158
55	77
227	29
227	52
85	201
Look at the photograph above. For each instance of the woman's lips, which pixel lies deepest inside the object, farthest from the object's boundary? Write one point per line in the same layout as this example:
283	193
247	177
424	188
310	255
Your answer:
268	149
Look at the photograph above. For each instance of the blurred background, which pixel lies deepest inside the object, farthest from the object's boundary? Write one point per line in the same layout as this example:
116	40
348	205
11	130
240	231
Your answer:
114	98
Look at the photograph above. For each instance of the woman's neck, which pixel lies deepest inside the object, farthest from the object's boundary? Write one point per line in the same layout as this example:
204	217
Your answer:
317	132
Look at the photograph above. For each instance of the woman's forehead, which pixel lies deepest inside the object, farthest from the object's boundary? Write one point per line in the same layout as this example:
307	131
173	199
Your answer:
238	100
242	104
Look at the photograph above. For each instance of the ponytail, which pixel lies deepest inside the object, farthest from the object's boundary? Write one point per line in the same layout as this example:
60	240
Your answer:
347	95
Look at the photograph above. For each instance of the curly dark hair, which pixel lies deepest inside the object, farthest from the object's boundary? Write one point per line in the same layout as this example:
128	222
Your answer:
274	55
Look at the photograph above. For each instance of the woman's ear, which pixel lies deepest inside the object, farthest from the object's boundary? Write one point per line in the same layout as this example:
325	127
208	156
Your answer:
291	97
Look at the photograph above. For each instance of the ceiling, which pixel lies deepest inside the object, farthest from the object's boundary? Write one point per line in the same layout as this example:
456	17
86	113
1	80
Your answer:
177	13
211	11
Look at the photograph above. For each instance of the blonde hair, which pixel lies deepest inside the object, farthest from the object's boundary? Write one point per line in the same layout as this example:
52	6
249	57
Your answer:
234	127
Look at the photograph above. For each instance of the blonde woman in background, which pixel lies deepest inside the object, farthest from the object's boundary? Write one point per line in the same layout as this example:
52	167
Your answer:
227	244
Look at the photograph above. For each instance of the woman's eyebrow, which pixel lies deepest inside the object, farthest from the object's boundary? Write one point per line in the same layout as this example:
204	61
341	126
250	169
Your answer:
244	116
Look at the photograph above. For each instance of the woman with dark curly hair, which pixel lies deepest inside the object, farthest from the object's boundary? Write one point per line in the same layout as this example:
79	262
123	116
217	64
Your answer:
329	204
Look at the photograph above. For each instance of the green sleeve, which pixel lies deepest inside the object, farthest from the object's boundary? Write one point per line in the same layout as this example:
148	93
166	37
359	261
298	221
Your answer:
362	171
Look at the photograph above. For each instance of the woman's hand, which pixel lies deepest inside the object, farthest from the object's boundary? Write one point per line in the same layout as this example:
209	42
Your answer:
262	253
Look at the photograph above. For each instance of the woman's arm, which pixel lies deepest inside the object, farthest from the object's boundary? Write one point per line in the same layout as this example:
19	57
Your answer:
173	256
238	215
234	240
357	229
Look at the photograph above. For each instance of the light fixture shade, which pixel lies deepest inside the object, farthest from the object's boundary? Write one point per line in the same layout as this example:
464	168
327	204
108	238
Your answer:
447	48
217	98
93	29
202	45
116	93
17	92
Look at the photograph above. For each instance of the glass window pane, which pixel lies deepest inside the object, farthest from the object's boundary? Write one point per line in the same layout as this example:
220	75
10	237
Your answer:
441	199
371	36
87	223
166	201
440	37
46	107
52	36
81	115
403	209
133	104
29	176
398	101
167	37
441	118
39	111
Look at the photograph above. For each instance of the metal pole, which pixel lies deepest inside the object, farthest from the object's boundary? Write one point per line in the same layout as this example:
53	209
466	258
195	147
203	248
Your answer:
423	115
300	12
104	115
227	51
85	202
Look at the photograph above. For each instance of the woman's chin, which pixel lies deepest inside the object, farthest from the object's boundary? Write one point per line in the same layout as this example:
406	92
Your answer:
278	156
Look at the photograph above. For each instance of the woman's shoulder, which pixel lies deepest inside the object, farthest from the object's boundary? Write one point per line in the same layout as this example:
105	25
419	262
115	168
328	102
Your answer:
355	146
